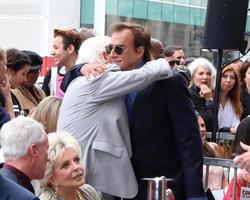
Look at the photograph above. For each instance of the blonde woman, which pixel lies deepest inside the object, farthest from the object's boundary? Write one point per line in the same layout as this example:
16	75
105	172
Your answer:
47	112
64	176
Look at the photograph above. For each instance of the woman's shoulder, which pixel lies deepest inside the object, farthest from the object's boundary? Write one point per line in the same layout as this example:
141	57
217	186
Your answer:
89	192
46	195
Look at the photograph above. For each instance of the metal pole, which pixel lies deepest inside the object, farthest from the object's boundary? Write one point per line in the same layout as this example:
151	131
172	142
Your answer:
217	94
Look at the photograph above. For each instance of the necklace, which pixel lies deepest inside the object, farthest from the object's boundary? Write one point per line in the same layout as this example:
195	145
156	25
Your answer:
79	195
58	197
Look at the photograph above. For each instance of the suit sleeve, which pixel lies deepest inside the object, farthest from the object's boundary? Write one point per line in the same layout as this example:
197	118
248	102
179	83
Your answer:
114	84
187	137
4	116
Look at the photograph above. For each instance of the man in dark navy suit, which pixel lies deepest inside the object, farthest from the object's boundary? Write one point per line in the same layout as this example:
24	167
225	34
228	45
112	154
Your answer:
164	130
12	191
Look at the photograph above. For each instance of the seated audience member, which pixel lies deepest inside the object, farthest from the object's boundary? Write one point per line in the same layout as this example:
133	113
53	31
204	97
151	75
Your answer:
245	89
4	115
243	176
24	144
216	178
230	108
47	113
18	65
64	176
12	191
28	93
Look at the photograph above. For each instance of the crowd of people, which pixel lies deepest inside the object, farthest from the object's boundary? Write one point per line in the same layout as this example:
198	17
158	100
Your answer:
115	110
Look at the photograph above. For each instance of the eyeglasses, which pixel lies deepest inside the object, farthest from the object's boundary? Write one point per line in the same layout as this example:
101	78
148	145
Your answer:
173	62
118	49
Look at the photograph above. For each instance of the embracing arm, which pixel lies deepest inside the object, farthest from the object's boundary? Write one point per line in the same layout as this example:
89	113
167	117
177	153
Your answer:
113	84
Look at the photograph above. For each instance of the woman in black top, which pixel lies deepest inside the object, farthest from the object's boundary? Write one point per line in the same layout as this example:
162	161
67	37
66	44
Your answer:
201	89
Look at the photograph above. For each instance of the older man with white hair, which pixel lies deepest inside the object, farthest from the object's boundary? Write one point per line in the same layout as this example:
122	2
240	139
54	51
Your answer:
24	144
93	111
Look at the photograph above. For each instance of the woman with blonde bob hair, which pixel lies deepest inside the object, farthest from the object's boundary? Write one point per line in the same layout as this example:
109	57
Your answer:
47	112
64	176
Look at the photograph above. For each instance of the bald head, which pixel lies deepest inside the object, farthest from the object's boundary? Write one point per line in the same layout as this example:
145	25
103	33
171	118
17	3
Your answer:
156	48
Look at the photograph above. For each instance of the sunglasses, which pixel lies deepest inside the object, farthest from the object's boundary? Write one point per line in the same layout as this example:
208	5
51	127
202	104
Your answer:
118	49
173	62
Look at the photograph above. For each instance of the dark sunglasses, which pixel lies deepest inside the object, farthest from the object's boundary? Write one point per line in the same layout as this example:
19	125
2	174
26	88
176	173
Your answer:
118	49
173	62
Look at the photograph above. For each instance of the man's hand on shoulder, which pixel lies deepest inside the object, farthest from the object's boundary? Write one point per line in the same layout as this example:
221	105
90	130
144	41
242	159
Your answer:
93	69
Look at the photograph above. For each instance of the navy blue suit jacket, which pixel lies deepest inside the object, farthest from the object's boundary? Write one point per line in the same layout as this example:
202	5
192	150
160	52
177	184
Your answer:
12	191
165	138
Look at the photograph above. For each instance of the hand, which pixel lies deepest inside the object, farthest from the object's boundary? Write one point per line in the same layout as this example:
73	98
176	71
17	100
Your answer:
93	69
243	160
206	92
5	88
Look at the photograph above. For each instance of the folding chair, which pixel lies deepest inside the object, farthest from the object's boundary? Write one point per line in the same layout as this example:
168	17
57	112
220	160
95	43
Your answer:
225	163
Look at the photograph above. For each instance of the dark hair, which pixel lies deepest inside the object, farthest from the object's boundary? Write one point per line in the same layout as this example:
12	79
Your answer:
168	52
243	71
70	36
242	135
141	36
16	59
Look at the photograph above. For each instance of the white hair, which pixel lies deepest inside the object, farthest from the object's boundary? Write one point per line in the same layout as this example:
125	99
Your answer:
58	142
17	135
91	50
202	62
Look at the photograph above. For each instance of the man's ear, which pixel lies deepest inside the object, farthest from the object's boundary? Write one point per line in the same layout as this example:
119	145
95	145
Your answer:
103	57
71	49
140	51
33	150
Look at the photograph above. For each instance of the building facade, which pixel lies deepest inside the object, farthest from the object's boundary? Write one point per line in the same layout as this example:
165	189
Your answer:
174	22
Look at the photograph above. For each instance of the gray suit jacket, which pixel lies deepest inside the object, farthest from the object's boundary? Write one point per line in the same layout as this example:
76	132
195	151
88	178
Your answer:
94	113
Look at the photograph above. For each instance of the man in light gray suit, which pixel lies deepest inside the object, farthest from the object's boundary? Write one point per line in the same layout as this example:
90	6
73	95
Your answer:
94	113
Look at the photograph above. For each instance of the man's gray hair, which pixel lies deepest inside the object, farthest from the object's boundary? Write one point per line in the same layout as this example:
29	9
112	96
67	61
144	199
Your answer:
17	135
91	49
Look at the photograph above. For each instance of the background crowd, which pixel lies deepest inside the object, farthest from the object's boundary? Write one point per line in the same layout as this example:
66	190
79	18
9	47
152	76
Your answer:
115	110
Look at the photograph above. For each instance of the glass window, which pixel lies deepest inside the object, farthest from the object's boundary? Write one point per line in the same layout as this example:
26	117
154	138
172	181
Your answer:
204	3
195	2
181	14
195	16
87	13
140	9
111	7
167	13
186	2
154	11
125	8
